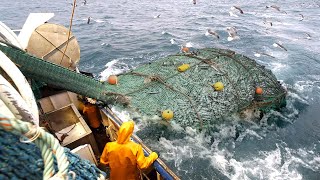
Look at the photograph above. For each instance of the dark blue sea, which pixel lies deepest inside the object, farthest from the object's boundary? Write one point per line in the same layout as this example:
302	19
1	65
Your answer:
124	34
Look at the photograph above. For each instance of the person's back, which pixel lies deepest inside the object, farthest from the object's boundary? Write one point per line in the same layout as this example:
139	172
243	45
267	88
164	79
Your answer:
124	157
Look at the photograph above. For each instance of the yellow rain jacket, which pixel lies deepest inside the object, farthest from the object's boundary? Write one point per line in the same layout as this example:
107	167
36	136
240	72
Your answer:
124	157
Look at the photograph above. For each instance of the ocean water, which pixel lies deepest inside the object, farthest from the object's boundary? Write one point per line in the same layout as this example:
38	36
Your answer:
124	34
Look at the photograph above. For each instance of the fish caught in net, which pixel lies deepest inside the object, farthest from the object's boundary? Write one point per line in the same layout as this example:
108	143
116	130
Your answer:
184	83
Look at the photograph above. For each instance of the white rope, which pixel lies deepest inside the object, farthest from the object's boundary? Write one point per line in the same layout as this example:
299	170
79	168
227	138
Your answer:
33	133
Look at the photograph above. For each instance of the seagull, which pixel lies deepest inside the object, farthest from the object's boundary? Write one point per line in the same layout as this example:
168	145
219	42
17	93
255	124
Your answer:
173	41
258	54
237	8
214	33
233	13
232	33
308	36
89	18
265	21
157	16
302	17
280	46
275	7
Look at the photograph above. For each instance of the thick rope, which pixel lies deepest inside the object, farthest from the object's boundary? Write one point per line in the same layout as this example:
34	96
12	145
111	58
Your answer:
69	32
44	141
47	157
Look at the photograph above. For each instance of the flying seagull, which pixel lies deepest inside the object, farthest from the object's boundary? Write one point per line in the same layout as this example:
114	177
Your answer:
259	54
232	33
233	11
308	36
173	41
302	17
214	33
276	8
280	46
237	8
265	21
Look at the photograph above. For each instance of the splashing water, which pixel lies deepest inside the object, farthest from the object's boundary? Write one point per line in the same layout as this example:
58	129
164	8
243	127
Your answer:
282	145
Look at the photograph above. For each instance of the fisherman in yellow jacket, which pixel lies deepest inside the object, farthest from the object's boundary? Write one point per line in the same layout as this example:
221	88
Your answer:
124	157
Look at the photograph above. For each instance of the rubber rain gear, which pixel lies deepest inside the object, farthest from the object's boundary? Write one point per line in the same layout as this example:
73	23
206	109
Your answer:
124	156
92	113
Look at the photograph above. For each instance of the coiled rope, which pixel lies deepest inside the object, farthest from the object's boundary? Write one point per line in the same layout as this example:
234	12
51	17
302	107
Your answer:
46	142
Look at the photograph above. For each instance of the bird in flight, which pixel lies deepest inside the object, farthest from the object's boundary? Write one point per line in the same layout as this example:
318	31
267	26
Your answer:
232	31
280	46
214	33
234	10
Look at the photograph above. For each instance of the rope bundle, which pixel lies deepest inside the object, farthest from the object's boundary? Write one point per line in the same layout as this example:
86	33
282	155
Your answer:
23	160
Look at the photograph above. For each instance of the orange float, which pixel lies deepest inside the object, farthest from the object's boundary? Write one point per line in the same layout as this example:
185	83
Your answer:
259	90
113	79
185	49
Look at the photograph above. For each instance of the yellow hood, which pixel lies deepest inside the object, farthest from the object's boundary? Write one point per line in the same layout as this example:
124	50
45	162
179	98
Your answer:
124	157
125	132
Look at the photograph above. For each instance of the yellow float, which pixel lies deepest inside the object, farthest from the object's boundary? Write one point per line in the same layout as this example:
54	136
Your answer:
167	114
218	86
183	67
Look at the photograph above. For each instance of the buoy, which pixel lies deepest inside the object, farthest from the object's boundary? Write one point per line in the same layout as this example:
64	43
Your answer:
167	114
113	79
185	49
259	90
218	86
183	67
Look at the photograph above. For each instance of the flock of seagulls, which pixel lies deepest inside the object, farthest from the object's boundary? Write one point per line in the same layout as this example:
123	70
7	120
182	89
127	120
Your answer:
236	11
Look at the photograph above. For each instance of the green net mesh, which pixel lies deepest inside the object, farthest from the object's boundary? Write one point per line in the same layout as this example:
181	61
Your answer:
157	86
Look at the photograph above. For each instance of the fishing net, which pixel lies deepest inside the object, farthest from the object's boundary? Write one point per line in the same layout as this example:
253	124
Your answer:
157	86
